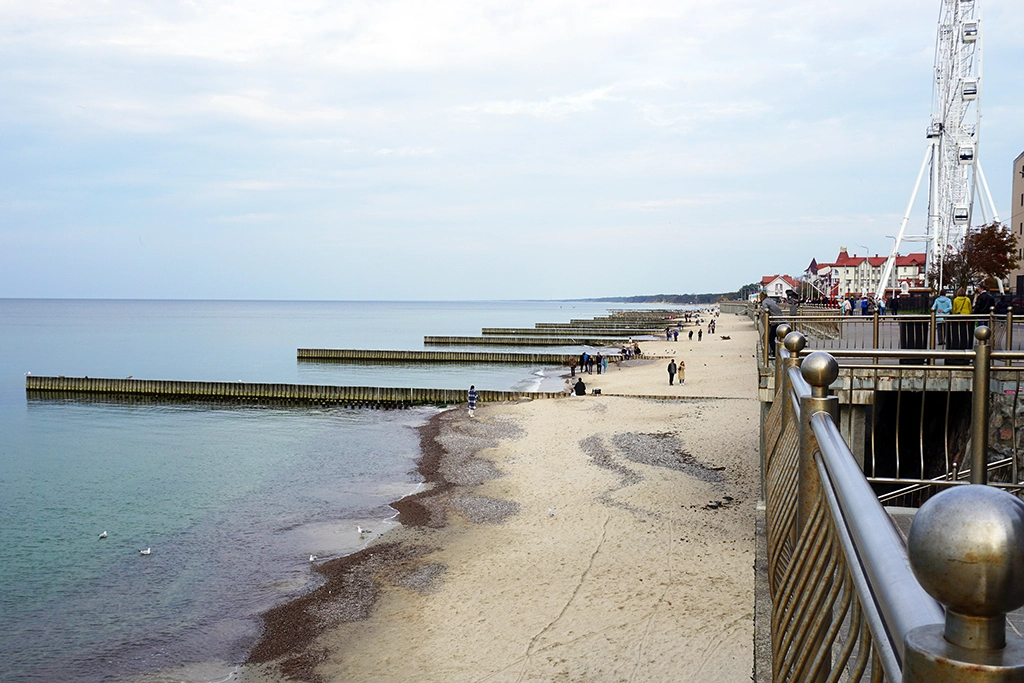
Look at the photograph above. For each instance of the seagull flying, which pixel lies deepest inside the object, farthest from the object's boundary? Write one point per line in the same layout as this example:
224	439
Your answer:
145	552
103	535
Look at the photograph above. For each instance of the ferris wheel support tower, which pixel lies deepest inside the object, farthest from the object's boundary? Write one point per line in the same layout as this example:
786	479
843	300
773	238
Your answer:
952	151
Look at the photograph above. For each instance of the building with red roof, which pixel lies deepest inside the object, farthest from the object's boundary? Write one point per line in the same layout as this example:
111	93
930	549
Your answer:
778	285
852	274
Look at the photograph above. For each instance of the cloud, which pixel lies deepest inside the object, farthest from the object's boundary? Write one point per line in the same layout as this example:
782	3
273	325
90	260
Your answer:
552	107
405	151
701	200
250	218
345	130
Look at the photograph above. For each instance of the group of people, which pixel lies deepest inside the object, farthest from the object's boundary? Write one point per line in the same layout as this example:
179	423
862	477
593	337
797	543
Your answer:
672	333
630	351
575	386
587	363
958	335
867	305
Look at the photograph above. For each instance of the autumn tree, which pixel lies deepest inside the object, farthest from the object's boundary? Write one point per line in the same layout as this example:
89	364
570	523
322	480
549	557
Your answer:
986	251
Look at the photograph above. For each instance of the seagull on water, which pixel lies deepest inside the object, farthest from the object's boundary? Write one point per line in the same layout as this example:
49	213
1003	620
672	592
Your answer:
362	531
312	558
145	552
103	535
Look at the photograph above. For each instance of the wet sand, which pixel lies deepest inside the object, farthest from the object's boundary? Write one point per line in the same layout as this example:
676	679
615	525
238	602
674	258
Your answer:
596	538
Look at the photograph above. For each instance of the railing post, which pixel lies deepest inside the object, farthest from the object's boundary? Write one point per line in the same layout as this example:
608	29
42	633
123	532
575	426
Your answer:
794	343
1009	332
820	369
874	331
933	329
781	332
966	547
979	405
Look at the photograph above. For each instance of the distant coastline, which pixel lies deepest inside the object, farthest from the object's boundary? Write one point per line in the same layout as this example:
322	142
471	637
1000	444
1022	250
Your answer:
674	299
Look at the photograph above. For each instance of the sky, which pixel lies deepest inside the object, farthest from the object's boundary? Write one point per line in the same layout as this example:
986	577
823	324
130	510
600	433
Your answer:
467	149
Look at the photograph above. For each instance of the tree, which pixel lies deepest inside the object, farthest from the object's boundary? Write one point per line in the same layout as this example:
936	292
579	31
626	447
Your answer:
987	251
746	290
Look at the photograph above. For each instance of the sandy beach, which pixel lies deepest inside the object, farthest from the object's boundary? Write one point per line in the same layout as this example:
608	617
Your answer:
595	538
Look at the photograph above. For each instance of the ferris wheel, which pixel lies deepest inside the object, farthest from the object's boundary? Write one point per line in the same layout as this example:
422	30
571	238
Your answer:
952	151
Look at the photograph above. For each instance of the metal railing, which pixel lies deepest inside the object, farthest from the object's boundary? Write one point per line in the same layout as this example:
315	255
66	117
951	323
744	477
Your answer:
901	404
848	601
828	330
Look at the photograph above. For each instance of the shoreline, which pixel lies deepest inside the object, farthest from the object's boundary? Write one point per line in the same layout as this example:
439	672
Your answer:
557	536
350	588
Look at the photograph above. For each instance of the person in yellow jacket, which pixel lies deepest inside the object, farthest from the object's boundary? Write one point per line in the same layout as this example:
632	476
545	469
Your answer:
959	332
961	303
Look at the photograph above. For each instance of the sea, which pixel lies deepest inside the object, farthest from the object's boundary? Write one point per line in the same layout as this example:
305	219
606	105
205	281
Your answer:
230	500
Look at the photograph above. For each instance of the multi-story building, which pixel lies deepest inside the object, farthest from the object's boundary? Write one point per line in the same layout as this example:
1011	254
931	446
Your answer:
852	274
1017	223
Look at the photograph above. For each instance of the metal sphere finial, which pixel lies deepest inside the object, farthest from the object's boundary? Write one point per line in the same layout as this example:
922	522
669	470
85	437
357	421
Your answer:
820	369
794	342
966	547
782	330
983	333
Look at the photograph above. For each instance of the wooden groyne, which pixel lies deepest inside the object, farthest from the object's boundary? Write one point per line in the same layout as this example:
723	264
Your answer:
606	324
524	341
258	392
570	331
384	356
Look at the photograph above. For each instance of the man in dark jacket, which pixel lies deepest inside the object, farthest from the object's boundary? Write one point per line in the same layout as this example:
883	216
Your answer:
769	306
984	302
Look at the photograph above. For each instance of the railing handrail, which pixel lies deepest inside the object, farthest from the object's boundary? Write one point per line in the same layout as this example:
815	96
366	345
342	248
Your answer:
933	610
900	598
879	549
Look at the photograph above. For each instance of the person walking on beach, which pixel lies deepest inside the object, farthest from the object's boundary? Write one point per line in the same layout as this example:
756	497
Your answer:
700	334
690	337
604	365
572	366
671	371
471	399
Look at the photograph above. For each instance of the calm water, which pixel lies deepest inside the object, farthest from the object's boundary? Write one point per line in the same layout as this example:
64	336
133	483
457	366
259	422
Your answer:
232	500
